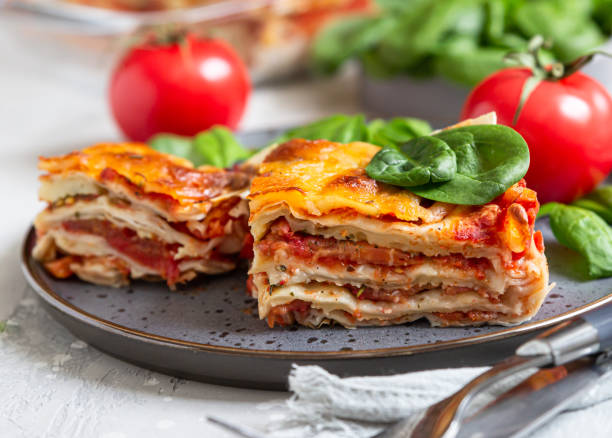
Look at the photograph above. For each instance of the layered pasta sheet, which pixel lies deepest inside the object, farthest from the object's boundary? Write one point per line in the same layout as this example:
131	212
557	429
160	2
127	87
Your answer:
333	245
121	211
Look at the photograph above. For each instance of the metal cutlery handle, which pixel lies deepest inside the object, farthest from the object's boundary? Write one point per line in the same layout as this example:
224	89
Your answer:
601	319
588	334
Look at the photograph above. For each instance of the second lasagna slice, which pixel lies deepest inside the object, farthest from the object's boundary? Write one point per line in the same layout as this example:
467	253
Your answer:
120	211
333	245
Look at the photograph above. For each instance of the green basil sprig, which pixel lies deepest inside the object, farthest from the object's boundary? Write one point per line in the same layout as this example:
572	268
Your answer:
585	232
396	131
339	127
598	201
216	146
460	40
489	159
175	145
345	129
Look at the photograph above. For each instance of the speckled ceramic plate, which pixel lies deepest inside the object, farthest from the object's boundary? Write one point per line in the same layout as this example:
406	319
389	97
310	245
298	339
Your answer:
209	329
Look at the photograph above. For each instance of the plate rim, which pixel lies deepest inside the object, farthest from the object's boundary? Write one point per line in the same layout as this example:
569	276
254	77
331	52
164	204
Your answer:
75	312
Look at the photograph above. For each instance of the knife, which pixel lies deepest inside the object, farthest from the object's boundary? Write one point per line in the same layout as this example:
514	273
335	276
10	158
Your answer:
537	399
584	336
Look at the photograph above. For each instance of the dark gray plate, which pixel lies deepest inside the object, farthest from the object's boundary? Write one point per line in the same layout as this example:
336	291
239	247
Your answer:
209	329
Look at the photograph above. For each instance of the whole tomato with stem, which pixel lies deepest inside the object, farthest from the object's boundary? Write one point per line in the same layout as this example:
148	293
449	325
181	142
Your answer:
564	115
180	84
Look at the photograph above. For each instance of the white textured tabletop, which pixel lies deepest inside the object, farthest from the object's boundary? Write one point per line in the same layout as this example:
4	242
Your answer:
51	384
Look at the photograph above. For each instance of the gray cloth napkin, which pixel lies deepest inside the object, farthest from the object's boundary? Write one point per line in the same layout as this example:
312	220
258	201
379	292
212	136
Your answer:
324	405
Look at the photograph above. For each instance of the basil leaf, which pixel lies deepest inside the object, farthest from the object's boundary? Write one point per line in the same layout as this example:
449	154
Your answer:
567	23
487	166
598	201
587	233
218	147
175	145
420	161
215	147
396	131
546	209
345	129
344	39
340	128
461	40
468	67
602	195
604	212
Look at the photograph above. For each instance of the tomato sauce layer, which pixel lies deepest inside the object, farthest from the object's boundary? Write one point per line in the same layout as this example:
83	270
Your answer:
152	253
400	295
348	254
285	313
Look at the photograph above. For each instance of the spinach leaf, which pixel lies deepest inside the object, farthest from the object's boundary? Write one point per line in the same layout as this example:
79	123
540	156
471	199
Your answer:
420	161
490	158
396	131
346	39
587	233
566	22
340	128
602	14
175	145
598	201
588	204
546	209
215	147
461	40
345	129
468	67
218	147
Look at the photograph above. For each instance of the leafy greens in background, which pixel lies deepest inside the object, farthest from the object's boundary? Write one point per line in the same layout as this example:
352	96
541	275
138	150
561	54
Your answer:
461	40
176	145
216	146
598	201
219	147
344	129
340	128
396	131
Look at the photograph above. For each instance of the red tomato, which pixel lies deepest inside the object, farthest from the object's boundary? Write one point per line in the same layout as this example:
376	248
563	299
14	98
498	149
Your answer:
566	123
181	88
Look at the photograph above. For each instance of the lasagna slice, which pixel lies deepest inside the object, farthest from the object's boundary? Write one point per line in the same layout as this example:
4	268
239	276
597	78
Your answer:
333	245
120	211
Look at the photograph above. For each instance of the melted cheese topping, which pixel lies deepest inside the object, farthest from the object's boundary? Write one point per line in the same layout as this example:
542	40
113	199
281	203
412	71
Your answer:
317	177
169	184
